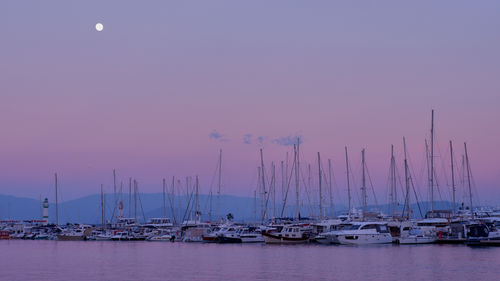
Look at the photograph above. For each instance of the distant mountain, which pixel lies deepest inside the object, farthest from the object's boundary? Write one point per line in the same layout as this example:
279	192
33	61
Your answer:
88	209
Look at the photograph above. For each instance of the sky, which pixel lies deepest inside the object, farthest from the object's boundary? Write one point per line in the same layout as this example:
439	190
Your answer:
167	84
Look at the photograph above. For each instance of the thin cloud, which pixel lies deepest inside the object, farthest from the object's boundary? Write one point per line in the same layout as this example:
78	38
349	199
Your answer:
250	139
289	140
247	139
214	135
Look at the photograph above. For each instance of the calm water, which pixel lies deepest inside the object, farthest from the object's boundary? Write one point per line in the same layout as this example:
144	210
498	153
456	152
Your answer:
65	260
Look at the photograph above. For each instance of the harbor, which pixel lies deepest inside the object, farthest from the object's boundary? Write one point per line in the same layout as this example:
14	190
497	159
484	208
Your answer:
358	226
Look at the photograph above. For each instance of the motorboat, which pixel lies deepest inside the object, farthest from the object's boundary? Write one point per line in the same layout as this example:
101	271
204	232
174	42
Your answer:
417	235
290	234
365	233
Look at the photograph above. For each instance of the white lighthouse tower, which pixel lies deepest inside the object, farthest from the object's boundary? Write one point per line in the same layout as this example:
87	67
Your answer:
45	217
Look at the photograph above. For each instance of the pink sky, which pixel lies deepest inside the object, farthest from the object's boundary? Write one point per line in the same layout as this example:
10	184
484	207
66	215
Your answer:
143	95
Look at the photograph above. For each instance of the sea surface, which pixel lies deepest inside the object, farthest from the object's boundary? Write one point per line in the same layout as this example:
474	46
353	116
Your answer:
93	260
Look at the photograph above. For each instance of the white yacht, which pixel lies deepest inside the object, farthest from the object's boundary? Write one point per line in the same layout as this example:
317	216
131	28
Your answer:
159	223
417	235
194	230
251	235
365	233
329	237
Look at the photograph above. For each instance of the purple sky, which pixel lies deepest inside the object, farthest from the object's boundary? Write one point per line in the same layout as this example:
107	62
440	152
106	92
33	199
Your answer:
145	95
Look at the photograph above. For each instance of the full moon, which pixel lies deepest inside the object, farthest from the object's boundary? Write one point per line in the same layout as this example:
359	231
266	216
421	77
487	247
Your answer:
99	26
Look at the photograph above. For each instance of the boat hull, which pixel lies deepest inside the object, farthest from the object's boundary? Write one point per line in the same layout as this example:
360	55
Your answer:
416	240
277	239
70	237
365	239
225	239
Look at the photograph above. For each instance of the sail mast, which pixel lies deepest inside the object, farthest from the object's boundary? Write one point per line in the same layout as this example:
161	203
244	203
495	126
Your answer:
407	182
263	178
320	191
57	202
219	187
332	212
432	161
363	184
273	188
172	203
468	179
102	207
453	178
296	155
348	183
164	201
114	191
197	202
393	182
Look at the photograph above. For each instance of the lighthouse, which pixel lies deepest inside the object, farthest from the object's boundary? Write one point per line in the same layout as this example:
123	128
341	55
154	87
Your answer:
45	217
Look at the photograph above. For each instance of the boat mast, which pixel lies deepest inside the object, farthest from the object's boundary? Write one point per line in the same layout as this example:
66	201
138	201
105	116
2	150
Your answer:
259	188
135	199
320	191
297	169
332	212
114	191
263	178
102	207
210	207
363	184
219	187
129	197
164	201
468	179
273	188
308	188
348	184
453	179
255	204
172	203
407	182
393	182
283	183
197	202
57	202
432	162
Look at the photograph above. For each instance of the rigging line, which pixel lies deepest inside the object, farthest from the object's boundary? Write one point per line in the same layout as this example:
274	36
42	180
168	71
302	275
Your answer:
399	179
142	209
289	180
188	207
442	161
436	180
412	172
306	189
371	184
335	187
354	184
306	186
416	197
388	191
474	187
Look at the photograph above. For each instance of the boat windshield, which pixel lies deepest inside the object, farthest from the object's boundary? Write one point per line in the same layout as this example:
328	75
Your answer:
351	227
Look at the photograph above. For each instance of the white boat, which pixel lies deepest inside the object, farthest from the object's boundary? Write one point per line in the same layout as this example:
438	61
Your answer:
120	236
251	235
230	234
361	233
167	237
193	231
159	223
417	235
330	237
290	234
